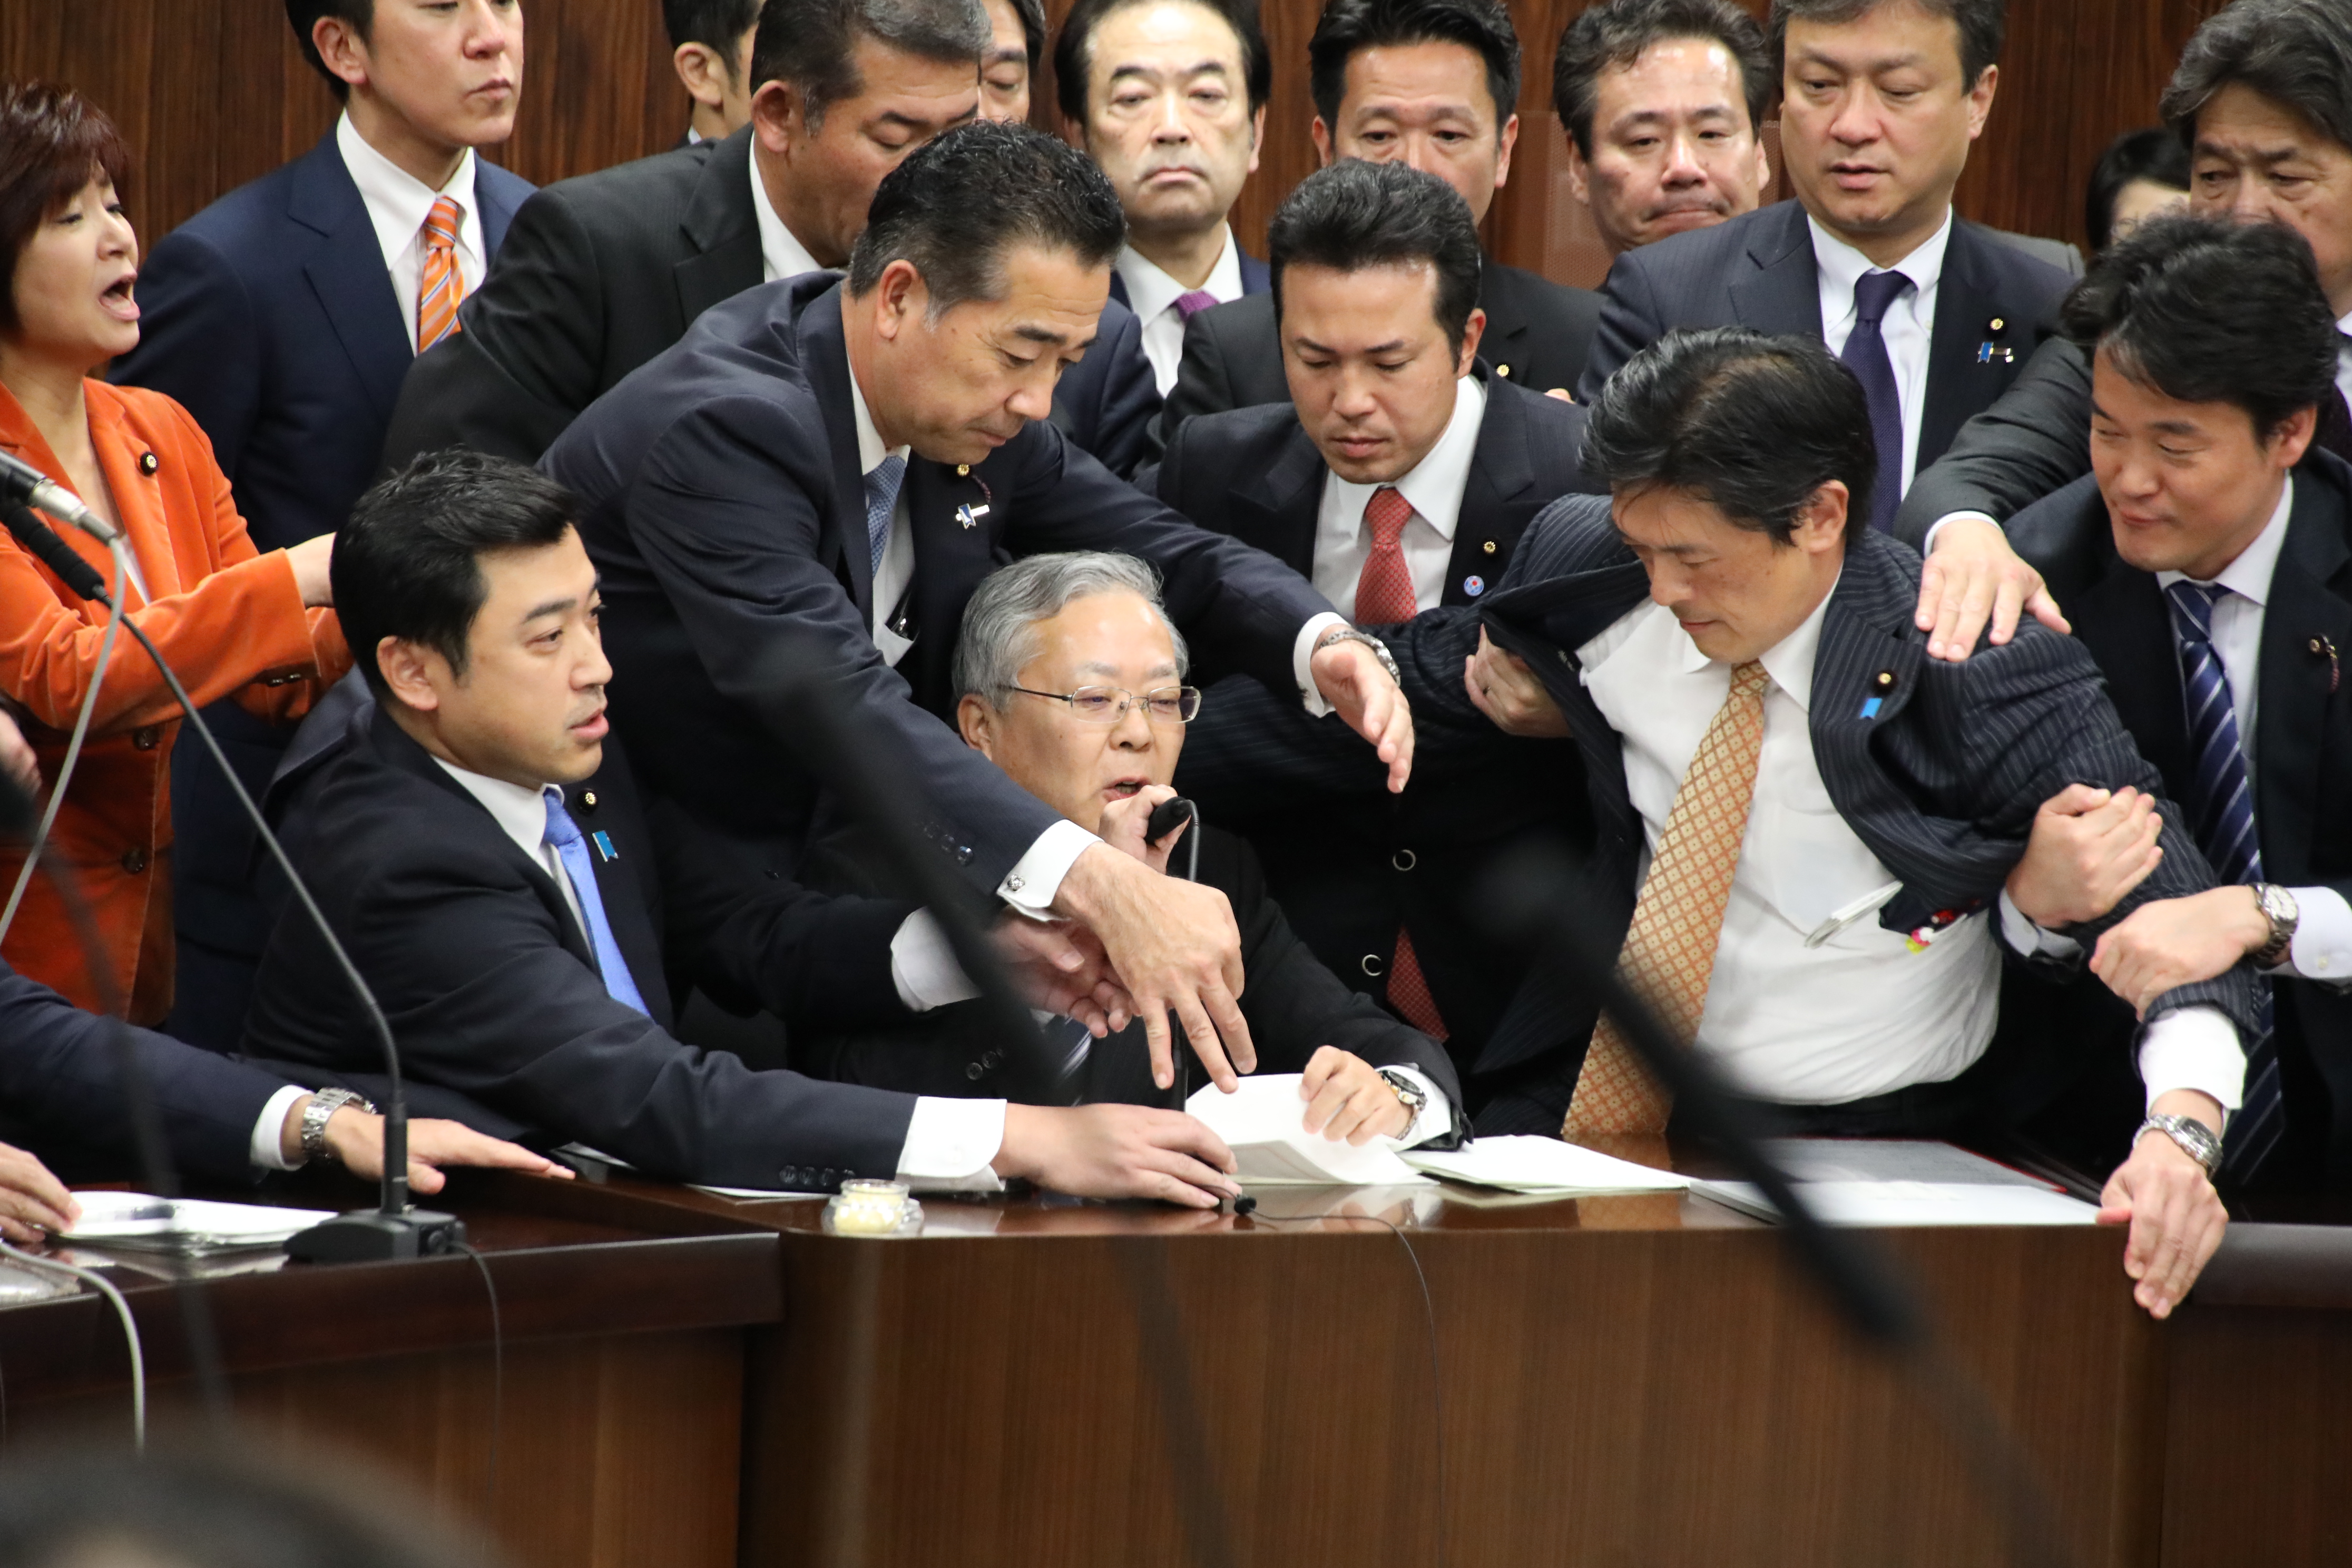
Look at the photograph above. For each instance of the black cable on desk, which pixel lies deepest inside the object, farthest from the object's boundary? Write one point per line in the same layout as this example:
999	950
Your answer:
498	1376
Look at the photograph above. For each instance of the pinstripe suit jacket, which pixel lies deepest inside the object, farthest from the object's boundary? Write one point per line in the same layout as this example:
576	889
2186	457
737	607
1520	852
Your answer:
1942	783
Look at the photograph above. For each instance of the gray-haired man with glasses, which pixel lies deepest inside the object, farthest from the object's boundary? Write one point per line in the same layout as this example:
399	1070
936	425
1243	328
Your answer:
1073	682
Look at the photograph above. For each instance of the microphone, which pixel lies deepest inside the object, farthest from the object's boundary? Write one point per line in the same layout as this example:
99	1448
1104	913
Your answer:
393	1228
28	486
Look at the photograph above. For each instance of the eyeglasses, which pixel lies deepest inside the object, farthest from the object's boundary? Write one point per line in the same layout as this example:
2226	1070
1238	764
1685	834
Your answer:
1109	704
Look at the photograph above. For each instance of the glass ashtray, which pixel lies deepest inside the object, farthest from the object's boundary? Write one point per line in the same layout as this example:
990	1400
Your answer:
873	1208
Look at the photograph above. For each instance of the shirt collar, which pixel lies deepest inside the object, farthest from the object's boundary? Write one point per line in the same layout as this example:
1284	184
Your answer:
521	814
782	255
397	201
1842	264
1433	486
870	449
1789	661
1151	291
2249	576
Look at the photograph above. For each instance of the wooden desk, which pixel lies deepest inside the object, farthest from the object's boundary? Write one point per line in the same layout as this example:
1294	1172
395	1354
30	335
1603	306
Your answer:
616	1438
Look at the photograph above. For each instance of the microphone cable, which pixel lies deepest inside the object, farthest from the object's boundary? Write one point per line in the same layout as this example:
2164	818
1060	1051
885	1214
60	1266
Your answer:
498	1376
73	749
104	1287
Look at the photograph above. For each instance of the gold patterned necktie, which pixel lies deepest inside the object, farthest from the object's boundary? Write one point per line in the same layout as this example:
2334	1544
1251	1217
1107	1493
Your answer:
1670	948
440	285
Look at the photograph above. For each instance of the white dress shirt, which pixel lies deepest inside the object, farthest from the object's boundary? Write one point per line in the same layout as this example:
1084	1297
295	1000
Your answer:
2344	358
397	205
782	255
1908	328
949	1142
1862	1013
1433	486
1151	294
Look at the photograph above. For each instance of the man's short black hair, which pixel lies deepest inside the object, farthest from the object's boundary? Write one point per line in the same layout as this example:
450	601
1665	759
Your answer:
1983	24
808	44
1754	424
2295	53
2155	154
959	202
1032	29
1612	35
714	23
305	13
1356	214
2205	311
408	563
1347	27
1074	49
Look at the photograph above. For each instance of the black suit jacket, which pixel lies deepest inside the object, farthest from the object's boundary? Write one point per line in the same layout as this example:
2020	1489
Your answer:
2302	743
1942	782
607	270
1758	271
493	991
1294	1006
62	1094
1350	862
724	510
1537	333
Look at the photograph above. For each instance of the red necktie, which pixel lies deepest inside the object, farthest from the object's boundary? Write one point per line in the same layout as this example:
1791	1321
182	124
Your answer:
1384	597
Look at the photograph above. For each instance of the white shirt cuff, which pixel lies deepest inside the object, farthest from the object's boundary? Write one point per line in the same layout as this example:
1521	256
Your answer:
923	966
1436	1118
1927	545
2030	941
2321	949
1302	660
1033	883
951	1144
2193	1048
267	1149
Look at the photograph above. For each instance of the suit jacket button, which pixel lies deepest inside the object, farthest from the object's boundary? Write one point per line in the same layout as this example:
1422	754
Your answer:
149	462
973	1071
1371	965
145	737
1405	859
134	860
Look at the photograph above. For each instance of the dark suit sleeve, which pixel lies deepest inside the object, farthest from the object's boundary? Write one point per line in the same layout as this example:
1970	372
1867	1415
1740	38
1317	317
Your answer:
1127	398
1631	321
530	353
2034	439
63	1095
197	341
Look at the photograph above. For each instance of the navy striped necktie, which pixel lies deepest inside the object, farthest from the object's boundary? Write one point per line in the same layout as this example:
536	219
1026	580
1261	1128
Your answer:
2223	807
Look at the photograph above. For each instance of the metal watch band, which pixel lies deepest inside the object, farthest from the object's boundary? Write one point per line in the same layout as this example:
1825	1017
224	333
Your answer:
315	1116
1408	1094
2195	1139
2278	907
1380	649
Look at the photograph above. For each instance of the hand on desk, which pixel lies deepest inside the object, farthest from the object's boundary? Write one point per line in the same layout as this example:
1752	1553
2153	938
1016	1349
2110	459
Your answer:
355	1140
1174	946
33	1203
1118	1152
1347	1098
2176	1217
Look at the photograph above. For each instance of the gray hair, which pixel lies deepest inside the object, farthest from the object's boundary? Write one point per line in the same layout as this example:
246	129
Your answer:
1000	624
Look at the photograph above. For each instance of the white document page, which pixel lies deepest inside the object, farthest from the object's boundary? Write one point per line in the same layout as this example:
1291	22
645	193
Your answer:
1265	1123
1524	1163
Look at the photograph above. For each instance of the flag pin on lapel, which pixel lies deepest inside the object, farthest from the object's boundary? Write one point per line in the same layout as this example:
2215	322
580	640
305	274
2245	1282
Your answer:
1882	683
604	845
969	515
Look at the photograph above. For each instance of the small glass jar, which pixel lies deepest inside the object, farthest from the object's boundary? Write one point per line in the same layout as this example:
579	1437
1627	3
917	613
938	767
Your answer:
873	1208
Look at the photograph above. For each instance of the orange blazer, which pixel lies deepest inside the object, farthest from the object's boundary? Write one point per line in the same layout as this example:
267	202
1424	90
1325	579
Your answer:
230	621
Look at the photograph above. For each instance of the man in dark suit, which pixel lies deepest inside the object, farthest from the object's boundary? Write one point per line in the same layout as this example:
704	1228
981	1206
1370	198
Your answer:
1398	478
1804	825
608	269
1433	83
2207	565
1168	97
1073	684
710	48
2263	98
816	478
283	317
1934	314
482	854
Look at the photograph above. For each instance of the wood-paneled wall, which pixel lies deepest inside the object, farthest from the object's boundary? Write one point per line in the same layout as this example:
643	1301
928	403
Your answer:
212	93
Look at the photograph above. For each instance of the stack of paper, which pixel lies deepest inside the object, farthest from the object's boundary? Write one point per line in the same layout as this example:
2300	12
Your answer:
1264	1123
1890	1183
184	1224
1530	1164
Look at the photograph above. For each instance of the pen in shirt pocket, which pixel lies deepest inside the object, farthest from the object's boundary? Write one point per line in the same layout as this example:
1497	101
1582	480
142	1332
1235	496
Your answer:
1868	904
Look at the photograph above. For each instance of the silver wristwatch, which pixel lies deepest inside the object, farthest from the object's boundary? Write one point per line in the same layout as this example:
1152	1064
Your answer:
2279	908
1380	649
323	1105
2196	1139
1408	1094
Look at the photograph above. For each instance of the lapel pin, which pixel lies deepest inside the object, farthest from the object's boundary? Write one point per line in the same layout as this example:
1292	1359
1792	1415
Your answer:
1488	547
1473	587
969	516
588	799
1504	370
149	462
1989	352
1998	324
964	470
2325	647
604	847
1884	682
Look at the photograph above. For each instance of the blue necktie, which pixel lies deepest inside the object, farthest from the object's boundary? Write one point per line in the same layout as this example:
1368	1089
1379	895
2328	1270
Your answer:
1866	355
881	497
565	834
2224	807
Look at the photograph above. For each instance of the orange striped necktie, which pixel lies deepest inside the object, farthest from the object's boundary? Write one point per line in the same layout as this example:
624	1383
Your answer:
441	285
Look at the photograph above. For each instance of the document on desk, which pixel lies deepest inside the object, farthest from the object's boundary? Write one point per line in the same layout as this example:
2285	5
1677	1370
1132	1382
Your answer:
1891	1183
184	1224
1264	1123
1522	1164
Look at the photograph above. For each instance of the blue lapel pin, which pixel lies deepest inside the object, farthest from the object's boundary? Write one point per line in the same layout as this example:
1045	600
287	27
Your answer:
969	516
1883	684
604	847
1473	587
